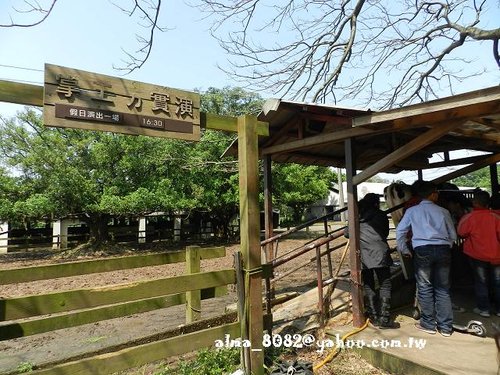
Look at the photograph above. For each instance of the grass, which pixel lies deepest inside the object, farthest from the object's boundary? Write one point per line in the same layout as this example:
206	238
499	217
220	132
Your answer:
24	367
207	362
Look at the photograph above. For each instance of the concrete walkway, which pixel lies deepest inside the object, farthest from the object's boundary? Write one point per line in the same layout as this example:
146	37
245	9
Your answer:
412	351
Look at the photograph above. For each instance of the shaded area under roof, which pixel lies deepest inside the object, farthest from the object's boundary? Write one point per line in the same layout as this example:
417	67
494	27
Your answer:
390	141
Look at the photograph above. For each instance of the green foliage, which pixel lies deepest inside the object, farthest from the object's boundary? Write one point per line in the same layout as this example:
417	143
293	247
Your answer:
231	101
208	362
479	178
25	367
297	186
97	174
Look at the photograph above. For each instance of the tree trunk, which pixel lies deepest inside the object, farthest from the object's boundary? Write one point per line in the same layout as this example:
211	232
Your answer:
98	226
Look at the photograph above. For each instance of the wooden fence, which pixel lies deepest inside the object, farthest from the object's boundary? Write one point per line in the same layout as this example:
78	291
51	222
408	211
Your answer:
66	309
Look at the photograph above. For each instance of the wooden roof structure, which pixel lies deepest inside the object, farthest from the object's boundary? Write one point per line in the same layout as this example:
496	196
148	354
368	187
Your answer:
371	142
387	141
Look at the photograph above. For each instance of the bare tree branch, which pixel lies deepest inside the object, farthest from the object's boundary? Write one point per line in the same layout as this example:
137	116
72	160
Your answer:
148	12
33	7
314	49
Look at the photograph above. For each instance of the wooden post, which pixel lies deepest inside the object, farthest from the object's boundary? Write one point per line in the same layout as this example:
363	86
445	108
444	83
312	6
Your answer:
193	297
268	207
354	257
250	238
494	178
341	194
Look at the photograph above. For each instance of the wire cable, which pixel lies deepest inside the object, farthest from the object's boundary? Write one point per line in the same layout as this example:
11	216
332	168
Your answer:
21	68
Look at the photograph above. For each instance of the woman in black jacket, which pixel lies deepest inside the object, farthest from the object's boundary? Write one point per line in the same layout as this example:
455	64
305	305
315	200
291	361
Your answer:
375	260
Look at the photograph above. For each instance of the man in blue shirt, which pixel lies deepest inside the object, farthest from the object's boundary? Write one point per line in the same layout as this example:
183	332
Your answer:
433	234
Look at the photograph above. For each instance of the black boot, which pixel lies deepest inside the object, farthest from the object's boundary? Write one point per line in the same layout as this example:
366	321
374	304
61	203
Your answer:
371	310
385	314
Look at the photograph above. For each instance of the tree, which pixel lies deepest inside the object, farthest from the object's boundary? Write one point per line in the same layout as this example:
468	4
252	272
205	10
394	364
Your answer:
347	49
343	50
479	178
93	174
216	179
298	186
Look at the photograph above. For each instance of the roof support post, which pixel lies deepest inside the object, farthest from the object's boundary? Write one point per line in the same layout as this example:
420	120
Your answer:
494	178
352	217
268	207
252	319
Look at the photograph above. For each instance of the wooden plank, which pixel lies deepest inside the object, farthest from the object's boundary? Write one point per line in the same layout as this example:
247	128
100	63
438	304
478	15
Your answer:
250	237
51	120
73	319
23	307
461	105
228	123
486	161
193	297
79	99
408	149
53	271
21	93
318	140
142	354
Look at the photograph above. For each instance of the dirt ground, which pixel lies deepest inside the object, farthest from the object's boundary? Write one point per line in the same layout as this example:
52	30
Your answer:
74	342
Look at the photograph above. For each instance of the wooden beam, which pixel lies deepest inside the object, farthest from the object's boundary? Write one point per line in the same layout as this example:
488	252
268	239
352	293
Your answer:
318	140
281	132
468	105
52	271
21	93
482	136
268	207
488	160
405	151
24	307
354	254
27	94
313	159
454	162
27	327
136	356
229	124
253	320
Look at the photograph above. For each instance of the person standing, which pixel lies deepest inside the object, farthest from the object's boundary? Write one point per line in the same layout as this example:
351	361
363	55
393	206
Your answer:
481	231
375	260
433	234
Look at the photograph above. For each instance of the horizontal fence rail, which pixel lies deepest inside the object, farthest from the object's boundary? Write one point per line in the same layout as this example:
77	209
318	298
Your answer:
52	271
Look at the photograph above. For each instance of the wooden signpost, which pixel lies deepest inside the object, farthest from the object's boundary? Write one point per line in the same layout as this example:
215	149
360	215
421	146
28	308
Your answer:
78	99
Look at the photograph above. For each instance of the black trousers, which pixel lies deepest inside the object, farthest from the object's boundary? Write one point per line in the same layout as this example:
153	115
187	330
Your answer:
384	280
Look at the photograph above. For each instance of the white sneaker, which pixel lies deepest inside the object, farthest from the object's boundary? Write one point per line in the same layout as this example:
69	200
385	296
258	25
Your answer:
483	313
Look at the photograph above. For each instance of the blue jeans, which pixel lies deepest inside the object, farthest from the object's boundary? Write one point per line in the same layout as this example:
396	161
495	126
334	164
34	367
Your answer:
432	271
482	273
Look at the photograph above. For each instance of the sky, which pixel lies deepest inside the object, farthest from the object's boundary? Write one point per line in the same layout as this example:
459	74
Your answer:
91	35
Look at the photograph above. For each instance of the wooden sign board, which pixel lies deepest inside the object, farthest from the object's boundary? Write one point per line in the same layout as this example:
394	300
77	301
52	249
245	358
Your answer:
83	100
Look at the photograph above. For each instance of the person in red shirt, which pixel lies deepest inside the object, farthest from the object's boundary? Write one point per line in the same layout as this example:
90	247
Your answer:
481	231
